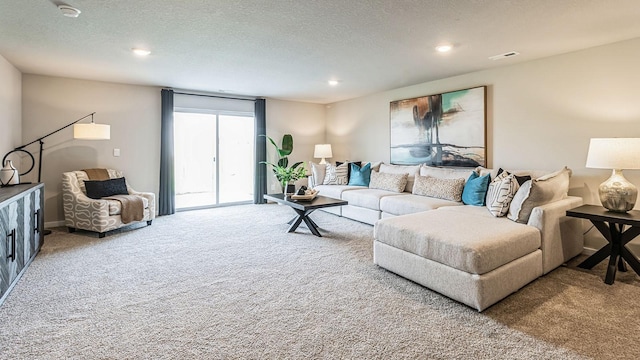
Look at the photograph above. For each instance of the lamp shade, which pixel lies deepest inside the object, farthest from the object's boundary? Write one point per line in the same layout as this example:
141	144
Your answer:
92	131
614	153
322	151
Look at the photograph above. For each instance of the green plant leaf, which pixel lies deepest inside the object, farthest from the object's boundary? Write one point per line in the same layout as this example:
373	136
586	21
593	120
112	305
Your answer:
287	145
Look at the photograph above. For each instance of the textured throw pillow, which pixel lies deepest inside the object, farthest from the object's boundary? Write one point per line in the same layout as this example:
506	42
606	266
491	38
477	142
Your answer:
336	175
501	192
317	172
475	189
445	173
447	189
360	176
97	189
537	192
410	170
389	182
359	163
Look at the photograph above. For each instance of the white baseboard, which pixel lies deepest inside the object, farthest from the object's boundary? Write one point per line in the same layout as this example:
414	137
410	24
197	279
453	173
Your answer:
51	224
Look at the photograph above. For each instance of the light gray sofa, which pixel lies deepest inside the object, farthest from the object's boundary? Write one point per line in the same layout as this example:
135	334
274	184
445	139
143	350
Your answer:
463	251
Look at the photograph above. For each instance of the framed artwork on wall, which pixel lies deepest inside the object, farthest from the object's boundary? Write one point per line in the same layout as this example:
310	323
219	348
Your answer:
447	129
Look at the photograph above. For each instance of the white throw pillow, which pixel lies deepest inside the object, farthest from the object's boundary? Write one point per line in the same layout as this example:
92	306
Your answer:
500	194
336	175
537	192
447	189
318	172
387	181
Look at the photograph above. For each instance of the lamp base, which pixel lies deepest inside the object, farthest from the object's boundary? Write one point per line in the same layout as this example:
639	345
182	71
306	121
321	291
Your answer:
322	162
617	194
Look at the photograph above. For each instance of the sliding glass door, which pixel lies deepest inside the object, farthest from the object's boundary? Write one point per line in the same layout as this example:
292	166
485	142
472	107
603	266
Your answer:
214	158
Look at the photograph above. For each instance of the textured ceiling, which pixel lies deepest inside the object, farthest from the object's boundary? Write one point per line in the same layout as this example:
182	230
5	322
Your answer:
288	49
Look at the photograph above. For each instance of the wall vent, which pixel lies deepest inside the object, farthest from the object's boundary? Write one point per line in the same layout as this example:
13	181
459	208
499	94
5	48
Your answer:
505	55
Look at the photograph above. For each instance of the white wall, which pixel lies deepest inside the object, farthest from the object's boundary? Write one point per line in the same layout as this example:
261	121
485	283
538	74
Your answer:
10	107
132	111
541	114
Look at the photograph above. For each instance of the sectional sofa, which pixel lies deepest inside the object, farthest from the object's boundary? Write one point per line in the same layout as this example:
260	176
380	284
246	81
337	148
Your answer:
476	254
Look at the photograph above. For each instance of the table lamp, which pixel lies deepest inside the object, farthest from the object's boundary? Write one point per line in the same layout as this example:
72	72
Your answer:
322	151
617	194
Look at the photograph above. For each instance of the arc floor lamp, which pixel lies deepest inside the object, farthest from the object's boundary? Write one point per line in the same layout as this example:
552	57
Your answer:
90	131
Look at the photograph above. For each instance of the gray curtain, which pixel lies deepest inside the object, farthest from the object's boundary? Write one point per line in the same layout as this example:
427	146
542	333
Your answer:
166	196
260	187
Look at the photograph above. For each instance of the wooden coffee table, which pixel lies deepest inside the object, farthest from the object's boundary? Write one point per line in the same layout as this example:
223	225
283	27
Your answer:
303	208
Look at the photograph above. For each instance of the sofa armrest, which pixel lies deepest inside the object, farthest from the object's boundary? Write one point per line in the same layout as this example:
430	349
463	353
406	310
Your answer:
560	236
151	199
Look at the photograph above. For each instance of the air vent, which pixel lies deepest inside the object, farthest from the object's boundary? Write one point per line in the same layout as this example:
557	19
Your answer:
505	55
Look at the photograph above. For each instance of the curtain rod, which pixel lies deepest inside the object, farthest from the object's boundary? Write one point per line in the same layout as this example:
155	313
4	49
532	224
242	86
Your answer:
213	96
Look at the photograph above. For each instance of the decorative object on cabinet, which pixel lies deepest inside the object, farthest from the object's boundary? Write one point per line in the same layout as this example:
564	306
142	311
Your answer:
9	174
21	225
616	193
90	131
447	129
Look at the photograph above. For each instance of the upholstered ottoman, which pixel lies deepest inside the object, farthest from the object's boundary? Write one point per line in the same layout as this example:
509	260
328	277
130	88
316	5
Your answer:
469	256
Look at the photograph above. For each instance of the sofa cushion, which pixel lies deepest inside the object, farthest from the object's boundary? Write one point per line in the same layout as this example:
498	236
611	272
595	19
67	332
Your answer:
367	198
360	175
446	173
335	191
540	191
475	189
447	189
408	204
483	244
387	181
336	175
410	170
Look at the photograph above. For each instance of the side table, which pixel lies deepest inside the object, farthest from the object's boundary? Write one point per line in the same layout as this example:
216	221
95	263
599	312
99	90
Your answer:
612	226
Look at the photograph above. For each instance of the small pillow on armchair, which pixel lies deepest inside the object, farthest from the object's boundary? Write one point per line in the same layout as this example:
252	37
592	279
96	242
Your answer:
97	189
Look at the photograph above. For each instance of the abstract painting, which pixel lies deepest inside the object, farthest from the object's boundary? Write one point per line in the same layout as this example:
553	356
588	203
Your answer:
447	129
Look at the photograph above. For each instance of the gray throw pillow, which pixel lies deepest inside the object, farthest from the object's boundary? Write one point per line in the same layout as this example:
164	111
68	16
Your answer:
447	189
387	181
537	192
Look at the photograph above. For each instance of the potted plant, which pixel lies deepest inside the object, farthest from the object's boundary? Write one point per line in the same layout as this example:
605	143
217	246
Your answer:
284	173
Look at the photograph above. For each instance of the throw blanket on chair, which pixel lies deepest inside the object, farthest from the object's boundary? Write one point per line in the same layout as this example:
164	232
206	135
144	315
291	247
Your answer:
97	174
132	208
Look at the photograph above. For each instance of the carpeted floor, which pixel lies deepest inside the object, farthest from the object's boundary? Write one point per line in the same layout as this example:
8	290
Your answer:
229	283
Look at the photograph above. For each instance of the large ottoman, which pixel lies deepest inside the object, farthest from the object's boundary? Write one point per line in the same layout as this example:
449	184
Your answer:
469	256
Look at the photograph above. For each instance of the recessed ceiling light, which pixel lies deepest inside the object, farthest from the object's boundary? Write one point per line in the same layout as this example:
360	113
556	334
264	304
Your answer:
333	82
141	52
69	11
444	48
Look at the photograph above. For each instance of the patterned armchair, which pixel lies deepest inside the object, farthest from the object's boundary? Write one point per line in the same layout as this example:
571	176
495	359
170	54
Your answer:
99	215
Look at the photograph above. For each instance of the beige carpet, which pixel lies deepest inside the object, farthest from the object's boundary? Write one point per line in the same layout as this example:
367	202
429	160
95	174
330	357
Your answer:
229	283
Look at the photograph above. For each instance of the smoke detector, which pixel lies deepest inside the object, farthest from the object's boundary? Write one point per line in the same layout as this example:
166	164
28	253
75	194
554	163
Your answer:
69	11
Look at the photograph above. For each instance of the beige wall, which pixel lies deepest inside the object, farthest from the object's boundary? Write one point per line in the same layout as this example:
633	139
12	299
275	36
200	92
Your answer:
304	121
10	107
541	114
133	112
134	115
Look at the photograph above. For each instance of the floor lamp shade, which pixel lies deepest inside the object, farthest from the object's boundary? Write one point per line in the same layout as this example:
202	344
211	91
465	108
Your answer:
616	193
322	151
92	131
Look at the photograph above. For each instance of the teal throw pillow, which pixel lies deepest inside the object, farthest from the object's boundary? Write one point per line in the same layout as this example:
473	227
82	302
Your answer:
360	176
475	190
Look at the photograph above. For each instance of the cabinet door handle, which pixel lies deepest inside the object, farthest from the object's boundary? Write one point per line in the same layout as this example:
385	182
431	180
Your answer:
12	235
36	227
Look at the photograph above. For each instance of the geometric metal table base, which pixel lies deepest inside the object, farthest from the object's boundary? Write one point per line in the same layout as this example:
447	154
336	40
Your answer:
304	208
611	225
